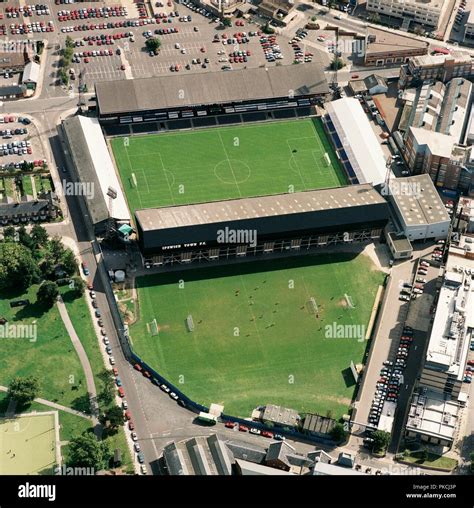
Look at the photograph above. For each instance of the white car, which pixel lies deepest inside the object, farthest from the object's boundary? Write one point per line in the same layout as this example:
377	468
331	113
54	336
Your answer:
124	404
134	436
255	431
143	469
112	360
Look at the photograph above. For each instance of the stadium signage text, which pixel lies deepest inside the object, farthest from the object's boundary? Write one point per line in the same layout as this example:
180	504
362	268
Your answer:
228	235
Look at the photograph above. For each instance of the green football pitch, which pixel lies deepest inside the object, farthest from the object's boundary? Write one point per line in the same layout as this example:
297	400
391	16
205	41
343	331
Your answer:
225	163
256	338
27	445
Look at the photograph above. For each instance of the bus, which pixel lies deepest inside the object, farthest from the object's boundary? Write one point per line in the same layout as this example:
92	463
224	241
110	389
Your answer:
207	418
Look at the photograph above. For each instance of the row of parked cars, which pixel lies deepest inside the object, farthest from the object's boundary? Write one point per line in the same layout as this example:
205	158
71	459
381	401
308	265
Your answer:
111	24
9	133
271	48
16	148
26	10
27	28
391	377
40	163
118	382
91	12
469	368
459	16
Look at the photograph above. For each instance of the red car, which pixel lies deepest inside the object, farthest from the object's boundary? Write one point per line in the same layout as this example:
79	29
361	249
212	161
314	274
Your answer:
115	371
470	362
137	367
266	433
354	76
131	426
121	392
230	425
127	415
243	428
147	374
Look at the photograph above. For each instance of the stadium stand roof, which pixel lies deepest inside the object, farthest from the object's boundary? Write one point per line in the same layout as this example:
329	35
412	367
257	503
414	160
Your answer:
94	164
180	90
358	140
340	198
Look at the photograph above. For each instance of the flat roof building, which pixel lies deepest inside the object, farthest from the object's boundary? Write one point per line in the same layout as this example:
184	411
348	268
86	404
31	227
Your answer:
427	12
433	418
418	208
384	47
355	142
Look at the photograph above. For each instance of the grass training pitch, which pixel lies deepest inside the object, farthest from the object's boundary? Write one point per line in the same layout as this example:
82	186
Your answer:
225	163
28	445
256	338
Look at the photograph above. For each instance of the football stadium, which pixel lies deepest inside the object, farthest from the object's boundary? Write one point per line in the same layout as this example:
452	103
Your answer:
236	173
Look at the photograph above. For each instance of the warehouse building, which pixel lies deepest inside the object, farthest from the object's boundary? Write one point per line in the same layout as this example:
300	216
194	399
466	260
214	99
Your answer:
418	208
92	167
282	223
193	100
388	48
355	142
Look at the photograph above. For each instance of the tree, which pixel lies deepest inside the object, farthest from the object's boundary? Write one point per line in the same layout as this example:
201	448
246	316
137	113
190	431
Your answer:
338	433
227	22
24	389
381	440
337	64
471	458
18	269
374	18
314	19
56	249
47	267
69	262
48	293
86	451
153	44
24	238
107	394
39	235
267	29
78	286
423	455
9	234
113	417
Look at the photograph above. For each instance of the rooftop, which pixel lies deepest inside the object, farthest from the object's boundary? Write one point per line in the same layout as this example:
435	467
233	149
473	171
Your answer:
432	415
437	60
256	207
448	344
438	144
180	90
417	200
280	415
385	41
95	165
358	140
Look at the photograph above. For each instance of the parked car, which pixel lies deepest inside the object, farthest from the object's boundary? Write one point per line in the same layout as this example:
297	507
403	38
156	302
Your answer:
230	425
253	430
